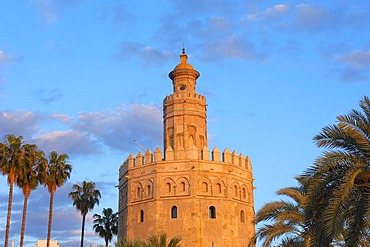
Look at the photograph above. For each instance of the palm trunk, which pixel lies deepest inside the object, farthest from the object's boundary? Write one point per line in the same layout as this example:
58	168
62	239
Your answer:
106	242
10	200
83	229
50	217
26	195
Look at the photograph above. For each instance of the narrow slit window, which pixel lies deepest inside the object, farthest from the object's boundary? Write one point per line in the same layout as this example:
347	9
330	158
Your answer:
174	212
138	192
149	188
141	216
242	216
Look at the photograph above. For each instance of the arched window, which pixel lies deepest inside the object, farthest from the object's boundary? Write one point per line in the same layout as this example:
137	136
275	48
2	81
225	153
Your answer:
244	193
168	187
218	188
149	188
236	190
204	187
242	216
174	212
141	216
182	186
138	192
212	212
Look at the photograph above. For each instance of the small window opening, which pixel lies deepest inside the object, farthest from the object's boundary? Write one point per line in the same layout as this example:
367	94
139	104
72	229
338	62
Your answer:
138	192
149	188
218	188
182	88
141	216
212	212
236	190
242	216
182	186
204	187
168	187
174	212
244	193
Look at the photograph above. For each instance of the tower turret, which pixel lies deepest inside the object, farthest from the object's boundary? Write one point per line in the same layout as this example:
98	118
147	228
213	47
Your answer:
184	111
184	76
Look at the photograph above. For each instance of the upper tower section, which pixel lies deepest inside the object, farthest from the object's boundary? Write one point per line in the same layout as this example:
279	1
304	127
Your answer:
184	111
184	76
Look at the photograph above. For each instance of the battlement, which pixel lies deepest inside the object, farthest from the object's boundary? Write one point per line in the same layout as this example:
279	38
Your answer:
185	95
192	154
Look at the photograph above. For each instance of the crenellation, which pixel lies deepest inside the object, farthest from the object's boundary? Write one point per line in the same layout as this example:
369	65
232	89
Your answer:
216	154
242	161
205	154
157	155
148	157
139	161
176	96
235	158
193	153
248	164
169	154
131	161
226	156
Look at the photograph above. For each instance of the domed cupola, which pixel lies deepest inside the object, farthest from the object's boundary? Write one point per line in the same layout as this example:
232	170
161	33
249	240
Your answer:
184	76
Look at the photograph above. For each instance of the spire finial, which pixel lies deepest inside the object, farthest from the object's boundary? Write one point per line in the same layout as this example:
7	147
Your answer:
183	49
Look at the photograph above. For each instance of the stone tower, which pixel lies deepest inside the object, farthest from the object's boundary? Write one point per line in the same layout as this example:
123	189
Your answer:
203	196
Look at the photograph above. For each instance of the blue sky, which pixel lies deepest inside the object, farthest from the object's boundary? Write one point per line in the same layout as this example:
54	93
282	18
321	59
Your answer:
87	78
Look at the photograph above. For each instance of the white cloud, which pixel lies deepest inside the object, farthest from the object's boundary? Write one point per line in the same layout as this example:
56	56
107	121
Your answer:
71	142
64	118
148	55
5	59
19	122
232	47
303	17
66	219
118	14
270	13
47	9
355	65
90	133
117	128
355	59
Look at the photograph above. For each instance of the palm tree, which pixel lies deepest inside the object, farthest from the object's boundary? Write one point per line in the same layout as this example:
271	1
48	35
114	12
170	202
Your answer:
106	225
84	199
12	158
161	241
28	179
57	173
135	243
341	178
153	241
284	219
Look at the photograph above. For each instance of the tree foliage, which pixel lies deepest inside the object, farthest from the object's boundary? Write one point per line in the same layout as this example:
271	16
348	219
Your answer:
84	198
340	186
106	225
284	219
